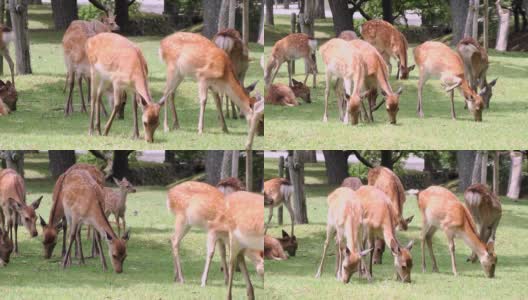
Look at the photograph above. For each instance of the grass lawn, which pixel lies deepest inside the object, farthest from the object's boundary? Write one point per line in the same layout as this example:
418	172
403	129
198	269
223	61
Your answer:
296	275
148	269
302	127
39	122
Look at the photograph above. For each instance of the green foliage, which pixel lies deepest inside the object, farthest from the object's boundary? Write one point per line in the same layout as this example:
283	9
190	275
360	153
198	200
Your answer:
90	12
432	12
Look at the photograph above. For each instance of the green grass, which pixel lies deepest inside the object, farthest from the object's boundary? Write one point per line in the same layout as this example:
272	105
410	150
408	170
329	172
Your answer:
302	127
39	122
148	269
296	275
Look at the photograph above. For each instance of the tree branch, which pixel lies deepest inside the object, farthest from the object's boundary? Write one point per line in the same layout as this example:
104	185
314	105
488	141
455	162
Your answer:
362	159
397	158
99	154
100	6
131	2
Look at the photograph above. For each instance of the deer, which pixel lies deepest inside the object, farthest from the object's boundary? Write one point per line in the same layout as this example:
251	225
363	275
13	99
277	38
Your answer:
344	221
83	200
230	41
280	94
437	59
273	249
115	201
6	37
441	209
344	62
486	210
6	247
192	55
117	61
389	42
288	49
230	185
379	222
347	35
14	207
288	243
475	58
280	191
8	97
75	56
352	182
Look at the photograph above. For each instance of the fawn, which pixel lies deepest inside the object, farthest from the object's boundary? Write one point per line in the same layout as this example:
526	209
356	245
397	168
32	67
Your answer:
115	201
280	191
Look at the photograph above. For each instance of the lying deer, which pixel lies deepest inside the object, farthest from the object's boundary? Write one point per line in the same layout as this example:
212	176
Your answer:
352	182
379	222
441	210
6	37
486	209
117	61
8	97
273	249
14	207
6	247
280	94
280	191
288	49
437	59
476	63
344	221
390	42
115	201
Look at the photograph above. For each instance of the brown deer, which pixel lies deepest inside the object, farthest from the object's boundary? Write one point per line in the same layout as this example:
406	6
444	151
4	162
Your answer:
288	243
486	209
301	90
347	35
280	94
437	59
344	222
14	207
352	182
475	58
273	249
441	209
379	222
280	191
6	37
83	200
230	185
390	42
6	247
345	62
115	201
117	61
288	49
8	97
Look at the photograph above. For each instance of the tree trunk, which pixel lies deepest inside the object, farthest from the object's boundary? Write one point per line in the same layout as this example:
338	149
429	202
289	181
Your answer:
226	164
235	163
249	170
310	156
474	33
459	11
486	27
286	4
170	156
19	22
121	13
477	167
484	168
387	10
64	12
468	28
514	184
245	22
386	159
35	2
60	161
320	9
213	166
211	9
120	167
261	38
336	166
296	168
496	163
504	27
269	13
14	159
2	21
223	15
232	13
281	175
306	17
342	16
465	162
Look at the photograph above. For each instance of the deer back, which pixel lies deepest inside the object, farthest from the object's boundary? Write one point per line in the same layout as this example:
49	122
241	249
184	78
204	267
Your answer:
245	218
280	94
230	41
385	180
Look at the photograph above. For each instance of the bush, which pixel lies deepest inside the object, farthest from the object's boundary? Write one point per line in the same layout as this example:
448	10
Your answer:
90	12
150	24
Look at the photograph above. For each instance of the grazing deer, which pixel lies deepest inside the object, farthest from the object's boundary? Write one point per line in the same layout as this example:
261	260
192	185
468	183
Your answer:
6	37
273	249
117	61
352	182
347	35
115	201
8	97
390	42
83	200
6	247
230	185
441	210
379	222
280	191
288	49
14	207
75	57
230	41
437	59
475	58
486	209
345	62
344	222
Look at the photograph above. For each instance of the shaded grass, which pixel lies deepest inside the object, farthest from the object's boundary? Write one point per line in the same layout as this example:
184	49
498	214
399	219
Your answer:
39	122
302	127
148	268
296	275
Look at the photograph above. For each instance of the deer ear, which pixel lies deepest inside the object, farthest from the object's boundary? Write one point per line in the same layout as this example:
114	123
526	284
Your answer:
411	68
383	93
36	203
394	247
59	226
250	88
109	237
115	180
285	234
295	81
126	236
2	82
400	90
410	245
492	83
162	101
409	219
347	251
42	222
365	252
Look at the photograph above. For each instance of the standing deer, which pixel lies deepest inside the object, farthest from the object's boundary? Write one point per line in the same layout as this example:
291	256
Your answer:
345	62
117	61
280	191
14	207
486	209
437	59
344	221
230	185
6	37
441	210
379	222
83	200
352	182
347	35
475	58
6	247
288	49
390	42
115	201
8	97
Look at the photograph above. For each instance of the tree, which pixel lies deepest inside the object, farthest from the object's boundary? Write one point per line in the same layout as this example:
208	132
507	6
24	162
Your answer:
386	159
223	15
465	163
14	159
476	174
387	10
170	156
213	166
227	160
211	10
261	28
459	11
496	168
64	12
504	27
116	162
245	22
296	170
120	11
269	13
320	9
336	162
514	183
19	20
342	14
471	28
232	13
307	16
60	161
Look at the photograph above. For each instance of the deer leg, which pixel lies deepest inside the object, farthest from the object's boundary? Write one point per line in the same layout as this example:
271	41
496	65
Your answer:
83	104
15	250
269	219
173	81
202	94
68	107
288	205
275	73
218	102
211	243
453	114
64	232
93	101
124	223
117	104
429	240
243	268
452	252
175	123
421	82
100	246
328	78
81	254
222	249
371	245
290	82
135	133
180	230
234	250
73	232
329	234
118	226
5	53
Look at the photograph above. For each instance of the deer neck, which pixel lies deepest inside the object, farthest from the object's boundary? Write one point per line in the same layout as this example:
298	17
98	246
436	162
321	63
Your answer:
100	222
471	239
141	86
351	233
383	79
122	197
236	93
466	89
402	53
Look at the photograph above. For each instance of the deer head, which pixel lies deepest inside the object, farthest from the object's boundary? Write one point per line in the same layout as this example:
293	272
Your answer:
8	94
301	90
488	261
474	101
117	249
124	185
391	104
150	118
486	92
27	214
49	234
6	248
351	263
404	223
109	20
288	243
404	72
402	260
